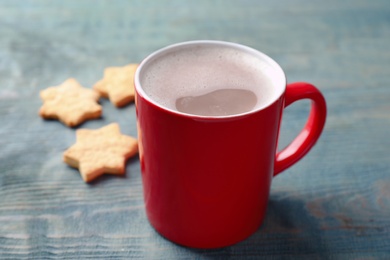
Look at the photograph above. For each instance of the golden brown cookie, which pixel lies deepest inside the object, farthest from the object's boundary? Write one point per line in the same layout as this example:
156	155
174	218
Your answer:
70	103
118	84
100	151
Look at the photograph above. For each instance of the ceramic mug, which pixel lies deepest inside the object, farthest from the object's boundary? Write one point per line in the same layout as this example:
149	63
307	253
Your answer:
206	179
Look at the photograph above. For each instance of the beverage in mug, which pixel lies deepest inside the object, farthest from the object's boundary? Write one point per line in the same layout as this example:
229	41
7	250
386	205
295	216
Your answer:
208	119
208	81
220	102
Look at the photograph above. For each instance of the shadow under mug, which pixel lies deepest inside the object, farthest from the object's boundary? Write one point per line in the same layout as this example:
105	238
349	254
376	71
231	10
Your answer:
206	180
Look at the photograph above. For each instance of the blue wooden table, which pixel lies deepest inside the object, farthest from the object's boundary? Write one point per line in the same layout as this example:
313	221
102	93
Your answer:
334	204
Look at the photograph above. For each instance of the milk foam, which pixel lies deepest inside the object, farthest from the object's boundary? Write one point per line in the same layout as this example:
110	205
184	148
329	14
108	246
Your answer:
197	70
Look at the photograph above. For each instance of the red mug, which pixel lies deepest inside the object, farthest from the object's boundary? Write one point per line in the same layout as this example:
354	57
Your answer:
206	179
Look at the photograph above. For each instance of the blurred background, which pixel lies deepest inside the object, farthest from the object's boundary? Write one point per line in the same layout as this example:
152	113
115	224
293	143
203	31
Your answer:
334	204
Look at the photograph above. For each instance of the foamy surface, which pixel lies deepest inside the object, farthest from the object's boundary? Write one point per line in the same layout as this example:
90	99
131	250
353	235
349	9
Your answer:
195	70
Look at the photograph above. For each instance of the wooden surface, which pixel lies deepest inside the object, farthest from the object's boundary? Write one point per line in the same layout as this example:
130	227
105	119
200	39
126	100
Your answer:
334	204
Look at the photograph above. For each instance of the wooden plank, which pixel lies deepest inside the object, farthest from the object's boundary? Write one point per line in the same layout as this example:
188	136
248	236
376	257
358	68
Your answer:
335	203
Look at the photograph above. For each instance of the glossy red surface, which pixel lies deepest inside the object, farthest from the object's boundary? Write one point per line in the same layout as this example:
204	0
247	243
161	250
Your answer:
207	181
311	131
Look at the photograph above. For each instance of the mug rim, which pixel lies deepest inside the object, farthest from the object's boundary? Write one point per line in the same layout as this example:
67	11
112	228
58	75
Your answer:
279	92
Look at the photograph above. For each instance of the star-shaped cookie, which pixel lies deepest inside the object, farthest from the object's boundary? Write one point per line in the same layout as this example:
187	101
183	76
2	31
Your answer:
100	151
70	103
118	84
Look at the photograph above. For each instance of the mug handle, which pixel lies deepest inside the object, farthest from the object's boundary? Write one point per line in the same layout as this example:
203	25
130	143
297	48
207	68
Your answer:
312	129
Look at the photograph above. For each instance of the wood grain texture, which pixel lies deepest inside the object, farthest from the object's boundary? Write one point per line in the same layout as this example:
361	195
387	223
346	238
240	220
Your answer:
334	204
